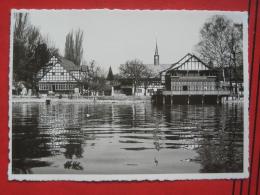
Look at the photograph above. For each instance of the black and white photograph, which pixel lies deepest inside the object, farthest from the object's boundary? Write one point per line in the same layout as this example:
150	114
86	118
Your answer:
103	95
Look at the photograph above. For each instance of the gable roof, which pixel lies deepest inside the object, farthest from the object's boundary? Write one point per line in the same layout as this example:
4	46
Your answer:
66	77
183	60
156	69
66	64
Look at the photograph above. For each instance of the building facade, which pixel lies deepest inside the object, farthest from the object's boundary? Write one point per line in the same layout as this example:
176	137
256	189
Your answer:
190	74
191	81
60	76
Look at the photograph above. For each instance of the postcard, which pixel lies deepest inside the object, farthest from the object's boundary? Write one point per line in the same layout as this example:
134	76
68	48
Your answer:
125	95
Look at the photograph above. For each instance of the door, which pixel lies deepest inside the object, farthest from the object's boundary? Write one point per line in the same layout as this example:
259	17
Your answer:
53	88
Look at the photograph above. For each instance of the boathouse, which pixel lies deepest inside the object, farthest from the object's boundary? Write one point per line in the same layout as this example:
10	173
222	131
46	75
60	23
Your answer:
60	76
191	81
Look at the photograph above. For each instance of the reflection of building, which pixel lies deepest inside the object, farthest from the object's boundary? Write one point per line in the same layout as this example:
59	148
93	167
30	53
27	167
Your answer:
59	76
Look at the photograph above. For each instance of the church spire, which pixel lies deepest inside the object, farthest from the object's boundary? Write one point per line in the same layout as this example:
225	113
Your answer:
156	55
156	49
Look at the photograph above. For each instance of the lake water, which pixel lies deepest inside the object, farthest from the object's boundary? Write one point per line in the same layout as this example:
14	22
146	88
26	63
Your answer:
126	138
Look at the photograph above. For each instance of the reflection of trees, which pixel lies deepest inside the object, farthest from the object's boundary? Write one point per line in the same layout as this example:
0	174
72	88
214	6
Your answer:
73	136
48	130
73	165
221	148
63	128
27	142
156	137
215	132
73	149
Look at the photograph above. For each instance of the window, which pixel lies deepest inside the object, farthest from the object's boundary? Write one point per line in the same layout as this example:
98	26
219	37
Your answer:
62	73
53	73
185	88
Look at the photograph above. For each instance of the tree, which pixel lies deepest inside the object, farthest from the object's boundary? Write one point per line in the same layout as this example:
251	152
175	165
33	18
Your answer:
20	26
147	75
134	70
74	47
236	54
110	76
94	80
69	47
51	46
19	45
217	39
78	47
30	51
26	39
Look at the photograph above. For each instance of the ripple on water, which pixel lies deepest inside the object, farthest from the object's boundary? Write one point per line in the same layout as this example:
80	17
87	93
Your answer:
129	138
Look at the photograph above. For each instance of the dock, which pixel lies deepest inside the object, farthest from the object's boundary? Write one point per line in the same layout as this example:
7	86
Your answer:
191	97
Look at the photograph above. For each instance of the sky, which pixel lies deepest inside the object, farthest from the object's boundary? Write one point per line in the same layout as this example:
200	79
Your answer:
111	37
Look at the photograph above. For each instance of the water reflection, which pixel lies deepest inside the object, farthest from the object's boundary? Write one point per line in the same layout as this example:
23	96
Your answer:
127	138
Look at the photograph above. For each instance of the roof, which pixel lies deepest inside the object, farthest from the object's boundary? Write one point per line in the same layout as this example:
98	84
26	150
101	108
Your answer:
68	65
183	60
156	69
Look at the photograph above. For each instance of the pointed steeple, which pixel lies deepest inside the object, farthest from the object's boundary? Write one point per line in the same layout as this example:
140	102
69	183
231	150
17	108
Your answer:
156	55
156	49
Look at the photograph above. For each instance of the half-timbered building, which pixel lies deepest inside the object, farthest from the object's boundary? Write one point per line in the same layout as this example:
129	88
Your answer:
190	74
190	79
60	76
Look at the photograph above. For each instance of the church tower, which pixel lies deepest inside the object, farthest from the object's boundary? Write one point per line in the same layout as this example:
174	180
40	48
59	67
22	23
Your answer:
156	56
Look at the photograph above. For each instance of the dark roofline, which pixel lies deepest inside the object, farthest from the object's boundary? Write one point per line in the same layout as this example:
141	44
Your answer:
191	55
60	58
177	62
202	62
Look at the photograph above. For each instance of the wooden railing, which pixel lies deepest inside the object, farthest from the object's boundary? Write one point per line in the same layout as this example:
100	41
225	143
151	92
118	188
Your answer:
215	92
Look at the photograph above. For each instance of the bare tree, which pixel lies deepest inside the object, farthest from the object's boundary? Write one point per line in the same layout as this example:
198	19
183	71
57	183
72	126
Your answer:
69	47
236	54
21	25
147	75
94	80
78	50
54	51
215	42
74	46
134	70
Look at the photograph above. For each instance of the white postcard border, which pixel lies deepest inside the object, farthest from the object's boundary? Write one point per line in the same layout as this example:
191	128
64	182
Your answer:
136	177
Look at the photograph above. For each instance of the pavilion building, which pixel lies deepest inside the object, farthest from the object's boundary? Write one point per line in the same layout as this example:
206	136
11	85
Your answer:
190	80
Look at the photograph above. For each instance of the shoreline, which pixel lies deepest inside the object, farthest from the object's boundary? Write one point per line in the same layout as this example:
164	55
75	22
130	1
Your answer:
98	100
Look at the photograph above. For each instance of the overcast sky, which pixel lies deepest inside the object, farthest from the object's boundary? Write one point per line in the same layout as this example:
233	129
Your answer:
111	37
